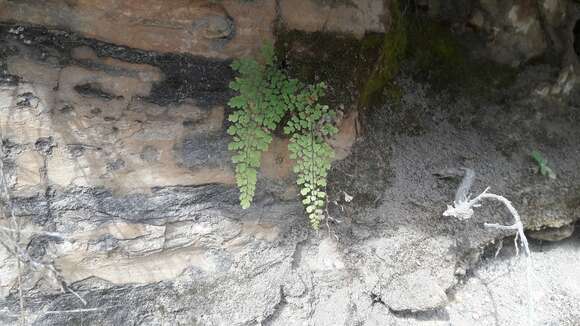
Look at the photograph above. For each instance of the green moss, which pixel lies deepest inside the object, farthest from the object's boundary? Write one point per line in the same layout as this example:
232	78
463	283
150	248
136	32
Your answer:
362	72
392	52
440	57
359	72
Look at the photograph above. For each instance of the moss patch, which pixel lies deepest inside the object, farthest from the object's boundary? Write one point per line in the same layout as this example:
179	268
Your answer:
443	59
392	51
362	72
358	72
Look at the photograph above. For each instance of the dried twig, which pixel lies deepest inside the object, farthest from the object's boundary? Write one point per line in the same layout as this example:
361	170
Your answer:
462	208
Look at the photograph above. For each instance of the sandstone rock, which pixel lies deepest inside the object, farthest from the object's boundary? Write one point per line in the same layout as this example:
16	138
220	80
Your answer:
553	234
26	122
343	141
221	29
351	17
43	74
104	130
554	12
142	72
326	259
9	272
417	291
29	167
143	190
515	30
216	27
477	20
121	270
276	161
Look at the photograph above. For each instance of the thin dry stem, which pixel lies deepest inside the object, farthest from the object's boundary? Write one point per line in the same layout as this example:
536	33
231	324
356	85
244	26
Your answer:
462	208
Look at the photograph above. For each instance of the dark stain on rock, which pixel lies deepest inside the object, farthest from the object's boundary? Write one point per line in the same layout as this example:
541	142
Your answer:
78	150
95	90
37	247
199	150
6	78
11	148
67	109
27	99
44	145
115	165
35	207
188	123
342	62
75	150
150	154
186	76
162	205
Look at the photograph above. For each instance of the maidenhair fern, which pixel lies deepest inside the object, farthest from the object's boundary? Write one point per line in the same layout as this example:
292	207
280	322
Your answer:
266	96
308	127
260	108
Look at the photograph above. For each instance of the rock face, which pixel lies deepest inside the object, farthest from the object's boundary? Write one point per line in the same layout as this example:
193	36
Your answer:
115	155
107	135
516	31
217	29
520	36
352	17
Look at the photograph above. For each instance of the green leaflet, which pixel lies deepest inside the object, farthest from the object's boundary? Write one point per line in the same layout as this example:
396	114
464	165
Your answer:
265	96
310	150
257	112
544	169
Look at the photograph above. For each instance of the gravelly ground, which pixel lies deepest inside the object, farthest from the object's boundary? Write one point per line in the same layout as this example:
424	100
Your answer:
496	294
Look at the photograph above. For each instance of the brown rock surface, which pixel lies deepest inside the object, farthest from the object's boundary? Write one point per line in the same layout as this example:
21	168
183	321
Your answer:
223	29
121	181
352	17
515	30
97	132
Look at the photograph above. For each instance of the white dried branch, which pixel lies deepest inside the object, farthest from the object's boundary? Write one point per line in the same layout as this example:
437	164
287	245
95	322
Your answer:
462	208
499	246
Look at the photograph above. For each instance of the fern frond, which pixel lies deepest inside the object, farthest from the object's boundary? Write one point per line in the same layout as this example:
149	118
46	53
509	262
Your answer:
265	96
309	125
259	108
